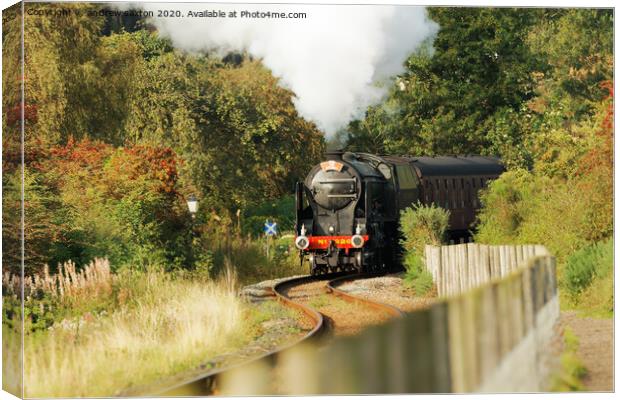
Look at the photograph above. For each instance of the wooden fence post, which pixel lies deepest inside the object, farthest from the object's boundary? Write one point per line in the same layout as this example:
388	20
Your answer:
487	328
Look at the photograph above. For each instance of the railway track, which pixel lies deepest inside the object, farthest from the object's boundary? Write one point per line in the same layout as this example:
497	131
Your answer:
333	285
207	384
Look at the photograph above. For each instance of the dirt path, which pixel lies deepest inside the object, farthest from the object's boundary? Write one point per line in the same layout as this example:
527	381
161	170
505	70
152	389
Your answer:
596	345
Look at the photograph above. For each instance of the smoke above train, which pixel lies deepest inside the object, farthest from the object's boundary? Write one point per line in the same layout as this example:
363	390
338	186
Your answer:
337	59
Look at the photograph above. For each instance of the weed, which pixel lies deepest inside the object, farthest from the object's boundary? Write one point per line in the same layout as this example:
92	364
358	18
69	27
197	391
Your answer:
320	301
416	275
572	368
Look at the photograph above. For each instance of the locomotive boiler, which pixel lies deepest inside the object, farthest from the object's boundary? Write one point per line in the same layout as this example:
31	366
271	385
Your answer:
348	207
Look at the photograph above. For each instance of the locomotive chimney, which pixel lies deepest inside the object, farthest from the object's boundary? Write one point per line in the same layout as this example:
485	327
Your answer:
334	154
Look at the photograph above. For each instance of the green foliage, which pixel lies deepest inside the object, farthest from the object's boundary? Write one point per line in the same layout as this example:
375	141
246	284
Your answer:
522	207
235	127
463	95
594	261
597	300
572	367
510	82
421	225
254	258
280	210
151	44
578	45
565	203
588	278
504	206
86	199
416	275
237	138
45	221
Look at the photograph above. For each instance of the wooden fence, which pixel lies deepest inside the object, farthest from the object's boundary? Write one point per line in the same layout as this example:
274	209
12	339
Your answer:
493	337
462	267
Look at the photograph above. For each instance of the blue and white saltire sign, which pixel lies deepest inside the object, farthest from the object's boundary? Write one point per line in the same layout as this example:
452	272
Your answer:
270	228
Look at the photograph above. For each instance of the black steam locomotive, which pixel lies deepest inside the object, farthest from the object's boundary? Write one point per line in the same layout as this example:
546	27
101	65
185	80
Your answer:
348	207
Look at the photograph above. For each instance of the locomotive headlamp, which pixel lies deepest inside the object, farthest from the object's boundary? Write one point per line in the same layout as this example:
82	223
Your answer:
357	241
331	229
302	242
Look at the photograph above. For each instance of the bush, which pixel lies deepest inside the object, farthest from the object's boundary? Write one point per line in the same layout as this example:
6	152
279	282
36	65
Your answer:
280	210
586	265
422	225
505	205
118	203
523	208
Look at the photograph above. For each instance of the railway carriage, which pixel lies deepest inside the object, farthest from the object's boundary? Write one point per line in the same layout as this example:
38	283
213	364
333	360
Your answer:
348	207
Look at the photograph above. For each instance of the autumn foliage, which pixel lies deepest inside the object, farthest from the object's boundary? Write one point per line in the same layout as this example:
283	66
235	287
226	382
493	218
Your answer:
88	199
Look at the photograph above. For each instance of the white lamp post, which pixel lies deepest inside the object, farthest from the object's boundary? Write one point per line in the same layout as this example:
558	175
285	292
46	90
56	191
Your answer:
192	205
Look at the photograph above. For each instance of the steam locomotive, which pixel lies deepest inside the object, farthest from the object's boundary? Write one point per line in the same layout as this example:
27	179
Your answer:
348	207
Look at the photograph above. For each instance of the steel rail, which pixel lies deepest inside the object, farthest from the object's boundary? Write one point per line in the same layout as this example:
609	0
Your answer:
332	286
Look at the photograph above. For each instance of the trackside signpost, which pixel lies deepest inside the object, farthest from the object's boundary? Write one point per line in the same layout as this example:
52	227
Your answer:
271	230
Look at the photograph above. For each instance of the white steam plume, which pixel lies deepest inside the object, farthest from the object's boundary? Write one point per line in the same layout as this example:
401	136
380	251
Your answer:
334	60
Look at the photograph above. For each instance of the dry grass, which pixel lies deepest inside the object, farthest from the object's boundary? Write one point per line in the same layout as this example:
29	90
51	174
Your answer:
173	324
93	280
11	361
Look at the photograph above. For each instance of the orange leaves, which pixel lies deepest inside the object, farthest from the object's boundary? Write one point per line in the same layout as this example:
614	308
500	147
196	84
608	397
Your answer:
94	165
85	153
601	156
14	114
608	121
149	162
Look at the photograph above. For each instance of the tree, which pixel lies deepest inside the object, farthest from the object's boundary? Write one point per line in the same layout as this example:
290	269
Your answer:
236	129
450	97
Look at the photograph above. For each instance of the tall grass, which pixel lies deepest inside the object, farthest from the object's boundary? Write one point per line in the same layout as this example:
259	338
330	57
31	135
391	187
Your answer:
91	332
48	297
11	361
174	324
95	278
259	259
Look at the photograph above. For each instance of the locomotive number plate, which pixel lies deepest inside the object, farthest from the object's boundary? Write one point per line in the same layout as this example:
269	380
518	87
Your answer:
322	242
